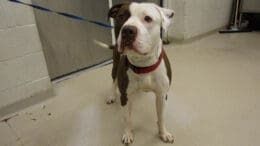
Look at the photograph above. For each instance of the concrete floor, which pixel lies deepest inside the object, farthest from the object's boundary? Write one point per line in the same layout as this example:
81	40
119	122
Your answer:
214	101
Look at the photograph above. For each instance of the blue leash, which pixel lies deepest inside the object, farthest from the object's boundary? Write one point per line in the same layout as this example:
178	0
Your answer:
63	14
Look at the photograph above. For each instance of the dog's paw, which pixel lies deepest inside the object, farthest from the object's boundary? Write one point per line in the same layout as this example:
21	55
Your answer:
166	137
110	100
127	138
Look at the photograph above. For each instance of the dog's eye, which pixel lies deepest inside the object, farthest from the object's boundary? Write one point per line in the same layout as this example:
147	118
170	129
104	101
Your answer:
148	19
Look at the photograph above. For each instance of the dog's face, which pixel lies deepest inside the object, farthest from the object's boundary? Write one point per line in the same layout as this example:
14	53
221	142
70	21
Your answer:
138	26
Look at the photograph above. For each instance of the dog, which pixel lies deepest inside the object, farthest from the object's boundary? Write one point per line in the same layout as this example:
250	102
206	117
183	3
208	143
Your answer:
139	60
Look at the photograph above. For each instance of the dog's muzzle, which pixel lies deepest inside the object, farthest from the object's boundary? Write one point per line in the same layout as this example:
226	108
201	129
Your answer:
129	34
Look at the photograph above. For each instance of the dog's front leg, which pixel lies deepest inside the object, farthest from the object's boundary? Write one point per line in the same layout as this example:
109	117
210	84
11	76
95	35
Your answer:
127	137
160	108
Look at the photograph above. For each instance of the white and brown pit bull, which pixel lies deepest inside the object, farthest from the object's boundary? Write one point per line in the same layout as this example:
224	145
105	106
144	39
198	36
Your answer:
140	63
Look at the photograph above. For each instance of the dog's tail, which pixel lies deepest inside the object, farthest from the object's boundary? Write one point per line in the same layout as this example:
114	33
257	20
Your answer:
103	45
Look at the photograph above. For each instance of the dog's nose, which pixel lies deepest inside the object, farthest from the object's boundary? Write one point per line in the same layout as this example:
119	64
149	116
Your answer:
129	32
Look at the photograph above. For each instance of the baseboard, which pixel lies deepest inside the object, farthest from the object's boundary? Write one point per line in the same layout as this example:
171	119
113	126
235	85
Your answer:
10	110
195	38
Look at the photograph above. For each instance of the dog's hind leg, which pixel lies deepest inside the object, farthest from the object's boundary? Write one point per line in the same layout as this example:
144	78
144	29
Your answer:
114	93
160	108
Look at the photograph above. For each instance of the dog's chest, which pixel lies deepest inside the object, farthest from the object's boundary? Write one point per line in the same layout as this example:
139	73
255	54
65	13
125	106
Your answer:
141	82
149	81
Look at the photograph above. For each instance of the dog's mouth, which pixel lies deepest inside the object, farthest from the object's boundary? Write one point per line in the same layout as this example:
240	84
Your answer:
128	47
127	44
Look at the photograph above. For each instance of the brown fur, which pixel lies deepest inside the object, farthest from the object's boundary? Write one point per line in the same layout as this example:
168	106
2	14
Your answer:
122	79
120	13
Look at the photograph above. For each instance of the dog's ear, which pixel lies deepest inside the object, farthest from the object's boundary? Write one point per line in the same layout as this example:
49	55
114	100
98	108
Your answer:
167	16
114	10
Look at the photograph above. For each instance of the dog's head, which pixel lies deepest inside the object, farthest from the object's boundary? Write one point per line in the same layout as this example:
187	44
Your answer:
138	26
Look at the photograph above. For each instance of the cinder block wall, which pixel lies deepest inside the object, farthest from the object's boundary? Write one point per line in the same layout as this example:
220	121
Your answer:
197	17
23	72
177	29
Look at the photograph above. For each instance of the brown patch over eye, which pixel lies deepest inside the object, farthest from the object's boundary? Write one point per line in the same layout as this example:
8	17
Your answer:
121	17
148	19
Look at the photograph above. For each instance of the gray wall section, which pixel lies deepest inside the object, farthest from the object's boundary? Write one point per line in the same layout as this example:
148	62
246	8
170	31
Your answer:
197	17
251	6
23	72
68	44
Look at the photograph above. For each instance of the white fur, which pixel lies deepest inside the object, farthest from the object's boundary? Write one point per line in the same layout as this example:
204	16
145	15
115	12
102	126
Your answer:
148	46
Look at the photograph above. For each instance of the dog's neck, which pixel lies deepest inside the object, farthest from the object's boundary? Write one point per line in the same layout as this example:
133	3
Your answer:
146	60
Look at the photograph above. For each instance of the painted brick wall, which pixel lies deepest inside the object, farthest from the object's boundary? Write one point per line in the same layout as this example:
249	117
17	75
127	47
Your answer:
196	17
23	71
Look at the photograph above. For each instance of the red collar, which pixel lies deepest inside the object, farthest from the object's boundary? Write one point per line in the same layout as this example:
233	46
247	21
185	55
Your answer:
143	70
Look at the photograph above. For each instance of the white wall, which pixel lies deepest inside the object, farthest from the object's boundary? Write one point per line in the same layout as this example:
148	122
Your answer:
177	29
196	17
23	71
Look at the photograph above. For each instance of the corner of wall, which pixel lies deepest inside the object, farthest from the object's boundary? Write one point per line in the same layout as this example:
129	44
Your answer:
195	18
